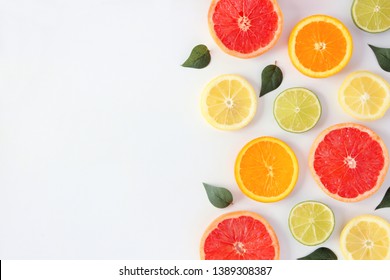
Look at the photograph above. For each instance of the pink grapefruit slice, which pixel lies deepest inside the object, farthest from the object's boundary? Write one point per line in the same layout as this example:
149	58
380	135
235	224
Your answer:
240	235
245	28
349	161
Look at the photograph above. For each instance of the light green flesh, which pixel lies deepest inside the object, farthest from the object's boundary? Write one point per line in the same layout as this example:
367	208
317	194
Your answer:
297	110
371	15
311	223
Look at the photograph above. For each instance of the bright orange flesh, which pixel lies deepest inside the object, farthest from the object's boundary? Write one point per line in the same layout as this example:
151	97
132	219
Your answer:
241	235
349	162
331	36
245	28
320	46
266	169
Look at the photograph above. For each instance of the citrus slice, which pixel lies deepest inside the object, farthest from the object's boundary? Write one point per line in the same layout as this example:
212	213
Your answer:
245	28
364	95
311	222
349	161
371	16
266	169
366	237
297	110
240	235
320	46
228	102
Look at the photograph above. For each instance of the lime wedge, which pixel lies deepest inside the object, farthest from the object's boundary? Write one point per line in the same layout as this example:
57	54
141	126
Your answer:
311	222
297	110
371	15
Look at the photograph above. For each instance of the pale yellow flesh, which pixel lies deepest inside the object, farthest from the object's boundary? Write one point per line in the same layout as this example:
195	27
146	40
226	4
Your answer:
228	102
365	96
366	237
371	15
297	109
311	223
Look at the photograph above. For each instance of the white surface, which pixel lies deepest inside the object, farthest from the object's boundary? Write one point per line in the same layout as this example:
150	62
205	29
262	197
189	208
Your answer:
103	149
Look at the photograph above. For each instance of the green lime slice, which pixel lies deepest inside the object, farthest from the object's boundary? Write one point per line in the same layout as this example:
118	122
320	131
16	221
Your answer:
371	15
311	222
297	109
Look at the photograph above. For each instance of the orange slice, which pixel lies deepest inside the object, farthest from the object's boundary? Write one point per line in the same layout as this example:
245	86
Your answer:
266	169
320	46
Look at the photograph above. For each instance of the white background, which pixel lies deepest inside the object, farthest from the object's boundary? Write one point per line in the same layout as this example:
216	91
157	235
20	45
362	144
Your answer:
103	149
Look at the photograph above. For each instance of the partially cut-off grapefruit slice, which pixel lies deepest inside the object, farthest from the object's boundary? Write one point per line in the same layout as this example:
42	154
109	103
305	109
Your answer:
245	28
240	235
349	161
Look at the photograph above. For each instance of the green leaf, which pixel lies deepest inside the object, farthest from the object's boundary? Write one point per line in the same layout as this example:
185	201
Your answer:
199	57
219	197
271	78
322	253
385	201
383	57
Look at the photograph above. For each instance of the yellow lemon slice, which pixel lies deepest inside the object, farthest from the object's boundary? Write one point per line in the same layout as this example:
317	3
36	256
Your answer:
228	102
364	95
366	237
